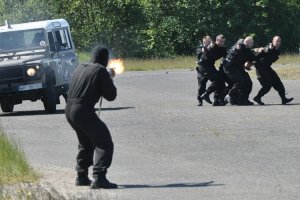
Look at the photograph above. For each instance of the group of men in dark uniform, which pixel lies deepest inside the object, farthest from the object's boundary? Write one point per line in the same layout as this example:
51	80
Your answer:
232	83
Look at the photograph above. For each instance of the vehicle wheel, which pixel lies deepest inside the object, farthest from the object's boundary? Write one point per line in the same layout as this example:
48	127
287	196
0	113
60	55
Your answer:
7	107
50	99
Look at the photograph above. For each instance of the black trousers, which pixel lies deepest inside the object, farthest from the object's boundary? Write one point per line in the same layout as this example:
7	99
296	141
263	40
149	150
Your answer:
268	78
242	84
210	73
202	81
95	143
227	81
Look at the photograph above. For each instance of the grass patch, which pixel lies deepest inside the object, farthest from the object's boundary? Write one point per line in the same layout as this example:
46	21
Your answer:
179	62
288	59
289	72
288	66
284	72
14	167
132	64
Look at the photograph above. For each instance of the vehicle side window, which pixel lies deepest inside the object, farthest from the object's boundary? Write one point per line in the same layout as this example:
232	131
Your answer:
34	38
68	38
63	39
51	41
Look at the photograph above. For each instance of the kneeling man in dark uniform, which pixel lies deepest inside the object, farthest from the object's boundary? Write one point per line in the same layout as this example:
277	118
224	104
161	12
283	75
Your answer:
235	64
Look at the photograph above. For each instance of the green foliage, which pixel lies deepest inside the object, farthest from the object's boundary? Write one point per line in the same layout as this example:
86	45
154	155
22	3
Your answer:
18	11
13	165
155	28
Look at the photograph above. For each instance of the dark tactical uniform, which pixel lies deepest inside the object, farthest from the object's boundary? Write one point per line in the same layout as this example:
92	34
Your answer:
225	78
267	77
202	80
90	82
234	69
206	69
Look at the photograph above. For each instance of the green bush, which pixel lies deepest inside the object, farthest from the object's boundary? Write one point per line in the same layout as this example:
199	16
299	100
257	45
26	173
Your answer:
155	28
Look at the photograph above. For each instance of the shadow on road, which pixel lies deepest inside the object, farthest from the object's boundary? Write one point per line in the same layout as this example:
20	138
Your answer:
276	104
58	112
113	109
175	185
289	104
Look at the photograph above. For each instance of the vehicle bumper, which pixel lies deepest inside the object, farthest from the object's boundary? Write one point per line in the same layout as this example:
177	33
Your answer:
22	91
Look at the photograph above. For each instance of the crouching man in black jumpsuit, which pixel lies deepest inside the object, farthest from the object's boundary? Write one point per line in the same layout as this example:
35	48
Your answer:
207	69
89	82
234	68
267	77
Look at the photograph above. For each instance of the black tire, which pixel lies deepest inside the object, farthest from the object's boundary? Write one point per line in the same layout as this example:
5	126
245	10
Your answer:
50	98
7	107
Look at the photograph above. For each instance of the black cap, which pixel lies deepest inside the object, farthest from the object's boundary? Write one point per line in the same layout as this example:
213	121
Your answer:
100	55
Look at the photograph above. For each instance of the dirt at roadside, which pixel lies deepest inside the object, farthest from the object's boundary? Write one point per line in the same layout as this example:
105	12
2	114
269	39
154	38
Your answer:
55	183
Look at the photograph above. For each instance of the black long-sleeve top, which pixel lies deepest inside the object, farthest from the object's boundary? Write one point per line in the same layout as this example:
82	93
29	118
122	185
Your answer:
238	55
211	54
267	56
90	82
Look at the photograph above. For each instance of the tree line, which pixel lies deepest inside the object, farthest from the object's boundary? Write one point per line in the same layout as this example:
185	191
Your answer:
163	28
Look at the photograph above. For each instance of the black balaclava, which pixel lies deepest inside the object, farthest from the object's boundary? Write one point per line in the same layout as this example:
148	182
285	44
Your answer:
100	55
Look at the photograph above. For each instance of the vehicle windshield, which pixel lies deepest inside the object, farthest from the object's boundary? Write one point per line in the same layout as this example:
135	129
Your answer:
16	41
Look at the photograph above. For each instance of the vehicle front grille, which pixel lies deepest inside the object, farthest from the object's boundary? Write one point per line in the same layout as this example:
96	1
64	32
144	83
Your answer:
8	74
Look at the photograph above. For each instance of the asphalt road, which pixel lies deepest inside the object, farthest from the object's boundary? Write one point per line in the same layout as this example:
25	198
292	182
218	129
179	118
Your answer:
166	147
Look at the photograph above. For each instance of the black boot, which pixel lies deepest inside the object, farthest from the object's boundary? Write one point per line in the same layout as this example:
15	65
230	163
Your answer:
230	100
219	102
82	181
286	100
249	103
257	99
200	101
102	182
245	103
206	98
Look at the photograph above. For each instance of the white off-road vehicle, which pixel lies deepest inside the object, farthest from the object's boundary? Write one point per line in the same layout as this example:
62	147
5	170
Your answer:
37	60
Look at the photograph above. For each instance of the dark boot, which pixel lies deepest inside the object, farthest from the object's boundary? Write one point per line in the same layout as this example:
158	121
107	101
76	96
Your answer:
102	182
257	99
200	101
286	100
206	98
82	181
219	102
249	103
245	103
230	100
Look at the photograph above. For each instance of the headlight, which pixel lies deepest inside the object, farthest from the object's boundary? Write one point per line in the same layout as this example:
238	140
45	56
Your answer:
34	71
31	71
